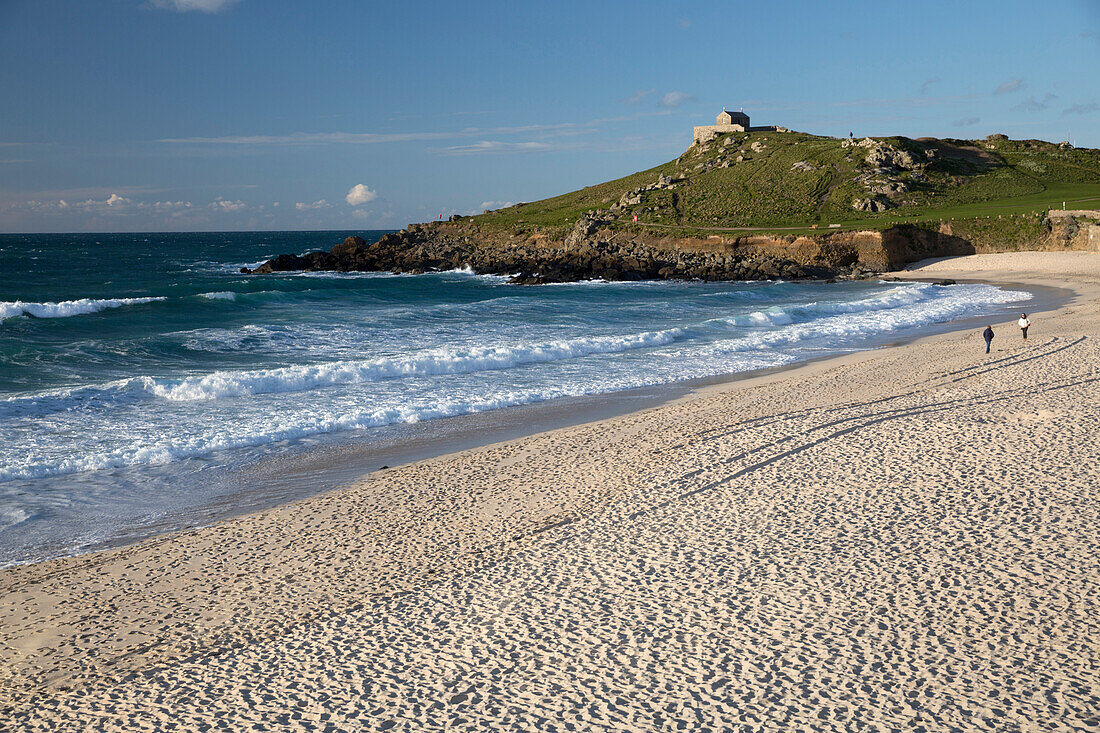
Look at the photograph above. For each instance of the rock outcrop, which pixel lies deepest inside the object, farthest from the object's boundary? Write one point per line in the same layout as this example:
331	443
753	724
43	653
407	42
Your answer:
589	251
872	204
1078	229
887	156
594	250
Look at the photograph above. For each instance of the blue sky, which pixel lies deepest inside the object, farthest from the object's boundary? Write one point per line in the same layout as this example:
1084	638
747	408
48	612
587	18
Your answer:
158	115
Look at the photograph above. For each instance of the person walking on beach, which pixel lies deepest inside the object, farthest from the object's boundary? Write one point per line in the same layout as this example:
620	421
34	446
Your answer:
988	336
1023	323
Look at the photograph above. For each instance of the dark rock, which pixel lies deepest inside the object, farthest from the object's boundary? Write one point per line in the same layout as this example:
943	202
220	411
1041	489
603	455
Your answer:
768	270
945	283
350	247
323	261
283	263
590	251
582	231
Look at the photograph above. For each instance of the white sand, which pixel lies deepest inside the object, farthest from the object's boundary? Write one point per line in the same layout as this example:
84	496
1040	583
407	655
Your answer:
899	540
1067	268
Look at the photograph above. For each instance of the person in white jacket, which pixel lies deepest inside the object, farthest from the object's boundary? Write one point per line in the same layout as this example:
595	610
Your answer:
1024	323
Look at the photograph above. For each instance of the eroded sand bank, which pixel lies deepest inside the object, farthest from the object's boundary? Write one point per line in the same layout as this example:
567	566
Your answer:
895	539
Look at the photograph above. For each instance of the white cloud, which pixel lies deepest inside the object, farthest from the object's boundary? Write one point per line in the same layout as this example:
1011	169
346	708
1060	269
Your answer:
967	121
205	6
675	99
490	205
313	138
114	204
370	138
319	204
639	96
1031	104
496	146
1081	109
1012	85
223	205
928	84
92	192
360	194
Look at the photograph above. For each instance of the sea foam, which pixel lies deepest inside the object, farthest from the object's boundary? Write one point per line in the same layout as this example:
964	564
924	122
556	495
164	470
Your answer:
222	410
243	383
67	308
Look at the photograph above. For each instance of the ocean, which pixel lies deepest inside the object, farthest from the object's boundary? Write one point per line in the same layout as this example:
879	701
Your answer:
144	381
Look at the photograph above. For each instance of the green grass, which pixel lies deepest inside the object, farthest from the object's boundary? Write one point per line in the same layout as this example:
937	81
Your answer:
559	213
965	179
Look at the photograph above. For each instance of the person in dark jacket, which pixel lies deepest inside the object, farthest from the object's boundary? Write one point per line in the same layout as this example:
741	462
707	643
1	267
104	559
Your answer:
988	336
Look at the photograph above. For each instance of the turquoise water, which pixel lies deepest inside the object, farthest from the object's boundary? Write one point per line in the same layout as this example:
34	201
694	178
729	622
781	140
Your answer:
136	369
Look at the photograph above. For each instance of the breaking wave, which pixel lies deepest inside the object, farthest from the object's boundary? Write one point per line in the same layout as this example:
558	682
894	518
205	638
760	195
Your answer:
244	383
195	415
67	308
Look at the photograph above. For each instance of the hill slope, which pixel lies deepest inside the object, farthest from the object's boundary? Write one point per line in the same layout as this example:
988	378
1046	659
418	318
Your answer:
783	181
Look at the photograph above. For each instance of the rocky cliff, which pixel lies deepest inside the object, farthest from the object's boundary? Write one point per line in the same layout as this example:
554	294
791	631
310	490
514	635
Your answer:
592	249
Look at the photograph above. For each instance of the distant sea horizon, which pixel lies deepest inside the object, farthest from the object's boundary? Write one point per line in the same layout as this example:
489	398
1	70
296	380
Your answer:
348	232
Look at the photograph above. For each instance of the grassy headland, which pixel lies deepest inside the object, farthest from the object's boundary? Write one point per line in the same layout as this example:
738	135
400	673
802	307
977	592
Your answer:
764	205
796	183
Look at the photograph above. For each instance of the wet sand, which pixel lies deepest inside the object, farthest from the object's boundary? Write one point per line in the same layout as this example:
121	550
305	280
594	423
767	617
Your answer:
892	539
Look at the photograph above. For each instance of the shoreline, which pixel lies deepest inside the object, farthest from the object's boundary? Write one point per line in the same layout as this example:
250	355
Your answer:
771	517
342	460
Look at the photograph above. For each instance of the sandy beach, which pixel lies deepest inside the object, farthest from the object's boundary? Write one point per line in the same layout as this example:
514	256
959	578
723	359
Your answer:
900	539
